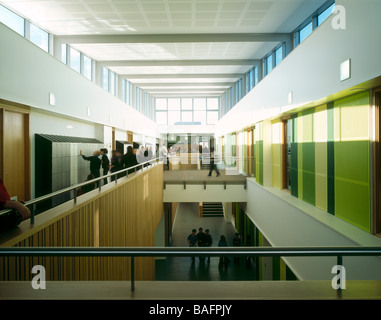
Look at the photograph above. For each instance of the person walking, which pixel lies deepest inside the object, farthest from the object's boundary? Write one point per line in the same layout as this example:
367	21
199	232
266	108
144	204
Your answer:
193	241
95	163
213	166
208	240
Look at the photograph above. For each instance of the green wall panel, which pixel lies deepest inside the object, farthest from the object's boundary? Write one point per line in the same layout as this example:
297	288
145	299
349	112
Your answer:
330	160
309	172
352	160
294	157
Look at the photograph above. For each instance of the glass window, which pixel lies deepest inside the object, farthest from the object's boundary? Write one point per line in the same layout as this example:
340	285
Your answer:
212	117
124	90
305	32
39	37
186	104
161	104
161	117
199	104
173	117
75	60
212	103
112	85
63	54
325	14
255	79
12	20
186	116
105	78
199	116
269	64
278	55
87	67
174	104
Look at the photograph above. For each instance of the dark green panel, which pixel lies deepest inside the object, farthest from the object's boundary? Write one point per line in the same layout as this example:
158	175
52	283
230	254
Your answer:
276	268
294	158
309	172
330	160
290	275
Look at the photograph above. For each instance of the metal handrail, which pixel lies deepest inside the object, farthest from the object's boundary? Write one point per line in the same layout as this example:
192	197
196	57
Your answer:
77	186
133	252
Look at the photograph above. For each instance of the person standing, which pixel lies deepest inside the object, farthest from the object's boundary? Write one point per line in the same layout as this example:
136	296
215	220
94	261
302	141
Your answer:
192	240
105	163
236	243
201	240
213	166
223	243
129	159
208	240
95	164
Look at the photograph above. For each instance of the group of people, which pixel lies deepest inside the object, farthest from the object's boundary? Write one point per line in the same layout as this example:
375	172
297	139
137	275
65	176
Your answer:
119	161
204	239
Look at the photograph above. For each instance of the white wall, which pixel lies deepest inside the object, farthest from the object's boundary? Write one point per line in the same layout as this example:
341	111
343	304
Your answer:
282	219
196	193
28	74
312	70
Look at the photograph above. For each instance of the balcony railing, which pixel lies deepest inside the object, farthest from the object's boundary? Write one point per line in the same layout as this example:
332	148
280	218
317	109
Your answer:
133	252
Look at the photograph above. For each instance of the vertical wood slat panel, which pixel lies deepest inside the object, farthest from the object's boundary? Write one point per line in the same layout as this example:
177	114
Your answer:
125	216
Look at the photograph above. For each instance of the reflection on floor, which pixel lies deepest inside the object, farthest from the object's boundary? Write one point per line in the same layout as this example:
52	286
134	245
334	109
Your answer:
182	269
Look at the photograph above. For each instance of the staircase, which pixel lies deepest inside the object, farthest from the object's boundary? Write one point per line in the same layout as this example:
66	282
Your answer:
212	209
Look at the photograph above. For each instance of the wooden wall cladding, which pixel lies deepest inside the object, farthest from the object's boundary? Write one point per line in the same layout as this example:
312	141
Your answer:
124	215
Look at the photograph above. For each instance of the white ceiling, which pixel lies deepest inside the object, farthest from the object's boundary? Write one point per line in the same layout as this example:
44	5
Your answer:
144	17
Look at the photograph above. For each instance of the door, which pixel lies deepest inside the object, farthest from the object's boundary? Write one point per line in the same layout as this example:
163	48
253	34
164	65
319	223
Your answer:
15	153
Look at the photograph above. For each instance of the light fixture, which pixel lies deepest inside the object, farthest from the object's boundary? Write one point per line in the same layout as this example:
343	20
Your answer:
345	70
88	112
290	97
52	99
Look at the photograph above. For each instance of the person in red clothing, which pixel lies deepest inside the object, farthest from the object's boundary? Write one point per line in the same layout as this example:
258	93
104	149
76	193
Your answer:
19	212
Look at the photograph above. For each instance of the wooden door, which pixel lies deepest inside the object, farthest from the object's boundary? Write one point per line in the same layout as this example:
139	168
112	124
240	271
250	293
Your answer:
15	153
377	166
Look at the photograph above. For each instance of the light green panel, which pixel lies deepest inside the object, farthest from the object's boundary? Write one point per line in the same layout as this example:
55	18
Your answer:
276	132
320	138
352	160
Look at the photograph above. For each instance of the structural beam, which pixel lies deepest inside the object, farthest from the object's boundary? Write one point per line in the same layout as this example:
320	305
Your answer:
183	76
176	63
185	90
174	38
185	84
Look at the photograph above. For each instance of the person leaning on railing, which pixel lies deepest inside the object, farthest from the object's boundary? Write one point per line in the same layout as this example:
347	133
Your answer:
13	218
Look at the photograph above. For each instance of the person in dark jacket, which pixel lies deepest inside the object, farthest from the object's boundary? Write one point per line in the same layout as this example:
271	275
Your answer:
236	243
201	240
223	243
213	166
95	164
129	159
88	187
105	163
13	218
208	240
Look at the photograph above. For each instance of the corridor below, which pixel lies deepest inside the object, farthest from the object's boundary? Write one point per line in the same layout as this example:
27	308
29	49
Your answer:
182	268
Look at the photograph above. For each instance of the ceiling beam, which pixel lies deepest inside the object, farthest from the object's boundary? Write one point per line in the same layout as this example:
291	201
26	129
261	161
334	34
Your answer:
183	76
185	84
176	63
174	38
220	91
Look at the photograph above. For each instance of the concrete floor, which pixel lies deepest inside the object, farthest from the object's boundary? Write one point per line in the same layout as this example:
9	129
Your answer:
182	269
